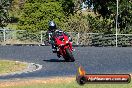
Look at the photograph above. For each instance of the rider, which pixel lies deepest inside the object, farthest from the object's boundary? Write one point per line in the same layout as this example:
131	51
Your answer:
51	31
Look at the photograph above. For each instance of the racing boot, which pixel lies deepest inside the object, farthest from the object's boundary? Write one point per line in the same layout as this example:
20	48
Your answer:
54	49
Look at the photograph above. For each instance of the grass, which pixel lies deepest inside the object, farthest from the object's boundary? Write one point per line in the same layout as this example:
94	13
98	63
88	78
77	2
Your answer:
17	41
12	26
67	84
11	66
86	86
75	85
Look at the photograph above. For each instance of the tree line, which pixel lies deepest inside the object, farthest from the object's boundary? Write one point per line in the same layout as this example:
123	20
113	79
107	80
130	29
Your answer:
33	15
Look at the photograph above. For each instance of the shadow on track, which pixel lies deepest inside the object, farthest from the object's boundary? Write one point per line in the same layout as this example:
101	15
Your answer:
54	60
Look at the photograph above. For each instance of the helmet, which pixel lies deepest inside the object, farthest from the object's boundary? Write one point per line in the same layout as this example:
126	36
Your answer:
52	26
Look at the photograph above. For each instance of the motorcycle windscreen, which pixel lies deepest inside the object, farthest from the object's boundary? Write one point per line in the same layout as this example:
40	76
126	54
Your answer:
60	36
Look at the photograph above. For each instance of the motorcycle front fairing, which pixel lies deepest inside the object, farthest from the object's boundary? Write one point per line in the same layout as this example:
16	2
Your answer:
63	42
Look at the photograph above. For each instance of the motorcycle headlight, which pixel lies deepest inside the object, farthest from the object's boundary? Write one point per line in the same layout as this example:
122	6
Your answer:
67	41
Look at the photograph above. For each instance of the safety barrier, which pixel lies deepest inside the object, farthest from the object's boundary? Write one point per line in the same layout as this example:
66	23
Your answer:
8	36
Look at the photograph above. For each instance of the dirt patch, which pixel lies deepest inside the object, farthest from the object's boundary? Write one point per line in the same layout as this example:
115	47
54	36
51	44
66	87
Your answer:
24	82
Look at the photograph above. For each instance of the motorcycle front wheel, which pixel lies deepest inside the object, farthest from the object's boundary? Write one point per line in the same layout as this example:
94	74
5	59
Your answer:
69	56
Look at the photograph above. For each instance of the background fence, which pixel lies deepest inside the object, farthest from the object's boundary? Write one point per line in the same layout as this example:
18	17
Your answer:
8	36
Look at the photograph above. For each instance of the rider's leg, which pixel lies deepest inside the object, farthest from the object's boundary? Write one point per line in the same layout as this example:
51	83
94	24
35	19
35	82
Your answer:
54	49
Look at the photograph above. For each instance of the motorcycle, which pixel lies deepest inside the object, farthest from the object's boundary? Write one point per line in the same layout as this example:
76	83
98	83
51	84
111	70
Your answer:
64	46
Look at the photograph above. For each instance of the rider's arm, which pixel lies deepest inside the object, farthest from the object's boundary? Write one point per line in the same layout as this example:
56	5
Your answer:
48	36
70	39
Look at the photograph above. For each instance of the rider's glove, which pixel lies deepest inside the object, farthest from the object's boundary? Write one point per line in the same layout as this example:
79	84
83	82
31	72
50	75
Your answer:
70	39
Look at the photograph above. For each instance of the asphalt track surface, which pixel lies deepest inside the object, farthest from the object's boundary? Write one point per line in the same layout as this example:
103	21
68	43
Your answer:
95	60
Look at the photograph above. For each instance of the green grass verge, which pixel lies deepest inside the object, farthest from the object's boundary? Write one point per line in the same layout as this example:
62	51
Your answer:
73	84
11	66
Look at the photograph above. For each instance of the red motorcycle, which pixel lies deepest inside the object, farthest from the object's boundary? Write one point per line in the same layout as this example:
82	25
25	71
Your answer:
64	46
